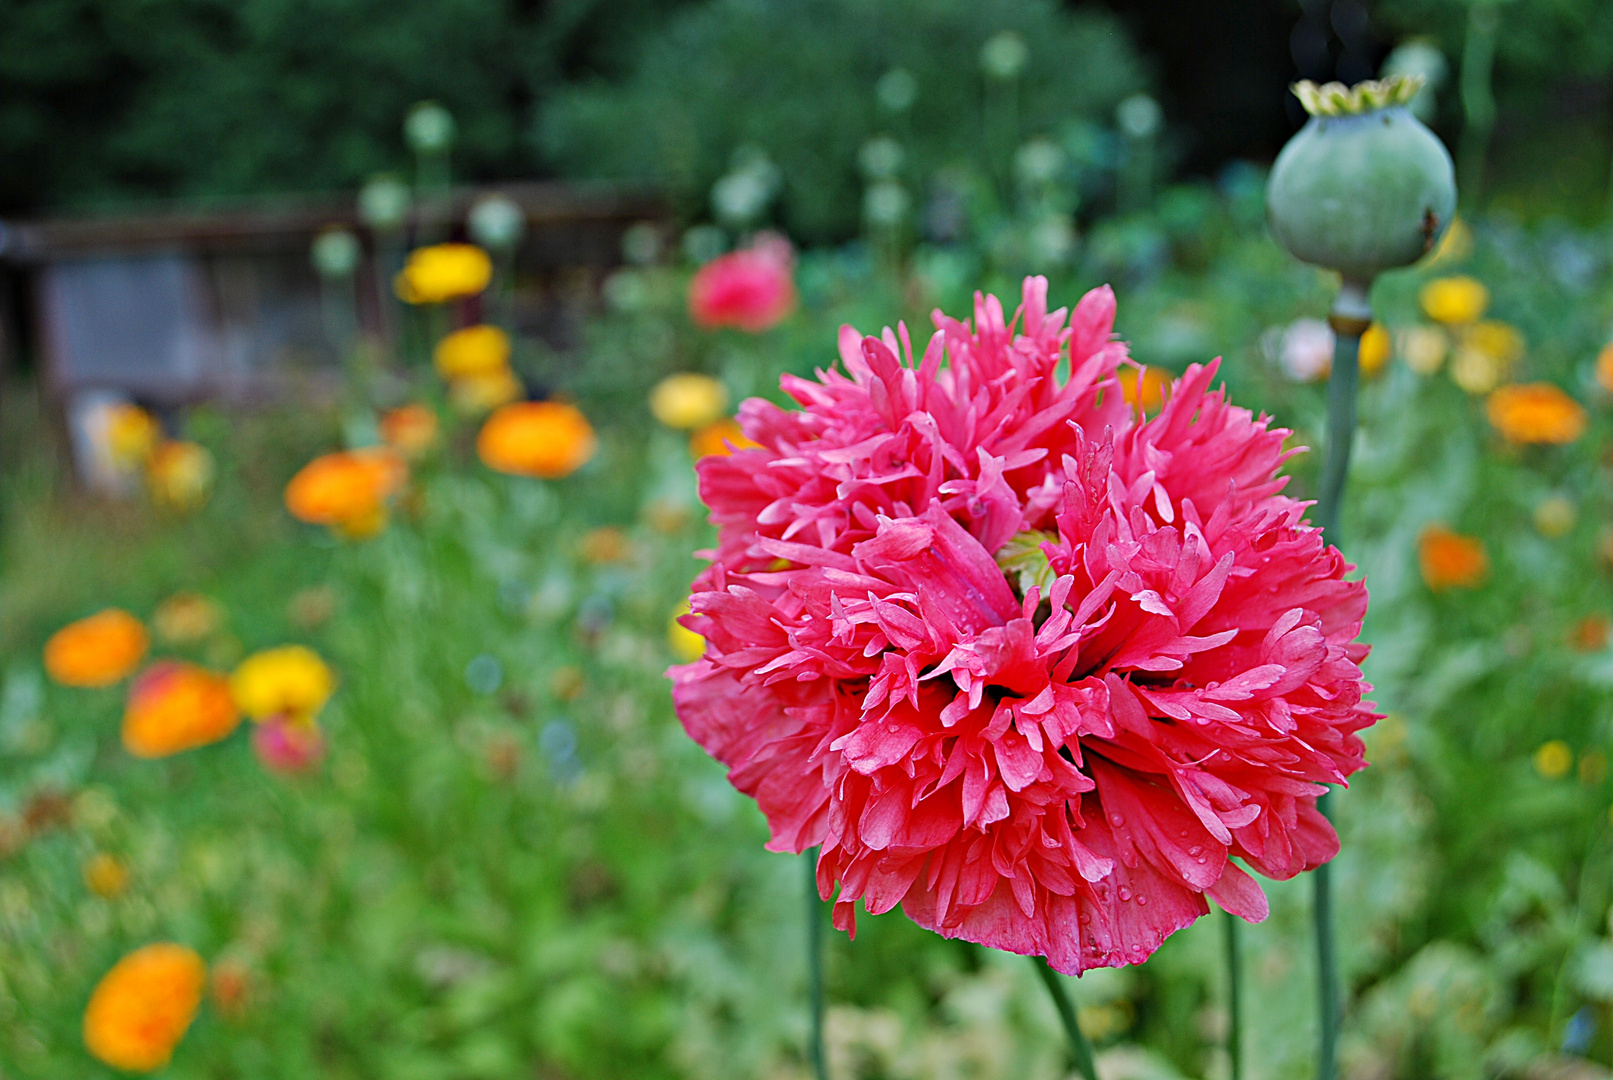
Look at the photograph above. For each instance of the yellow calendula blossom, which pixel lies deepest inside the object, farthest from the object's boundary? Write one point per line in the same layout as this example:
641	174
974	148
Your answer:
687	645
131	434
1456	301
105	875
1424	348
688	401
290	680
1554	759
179	474
443	272
472	395
1604	367
474	350
143	1006
1376	348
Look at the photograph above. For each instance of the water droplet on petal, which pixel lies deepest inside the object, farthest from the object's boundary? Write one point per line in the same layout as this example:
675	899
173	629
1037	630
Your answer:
1125	893
1142	901
1195	850
1116	820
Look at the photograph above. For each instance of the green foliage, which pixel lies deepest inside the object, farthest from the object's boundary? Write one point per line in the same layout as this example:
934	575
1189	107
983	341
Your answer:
105	99
735	74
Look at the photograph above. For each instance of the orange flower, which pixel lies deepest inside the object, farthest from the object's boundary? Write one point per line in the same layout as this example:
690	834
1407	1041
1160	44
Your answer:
475	350
1604	367
1590	634
97	651
175	706
143	1006
1147	386
718	438
537	438
347	490
1536	413
180	474
1451	560
409	429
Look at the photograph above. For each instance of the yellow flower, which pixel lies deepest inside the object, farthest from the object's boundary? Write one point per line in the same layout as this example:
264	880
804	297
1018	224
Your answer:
410	429
548	439
1454	246
688	401
1555	516
347	491
175	706
474	394
717	438
475	350
1424	348
143	1006
105	875
443	272
131	433
96	651
185	618
1450	560
1536	413
1496	339
290	680
1476	372
180	474
1146	387
1553	759
687	645
1456	301
1375	350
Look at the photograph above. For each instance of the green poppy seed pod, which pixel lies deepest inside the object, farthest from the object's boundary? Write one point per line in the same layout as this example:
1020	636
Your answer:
1364	187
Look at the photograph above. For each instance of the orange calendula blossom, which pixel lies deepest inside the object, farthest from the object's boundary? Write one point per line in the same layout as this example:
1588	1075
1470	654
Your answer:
347	490
176	706
1604	368
1146	387
1536	413
410	429
142	1007
443	272
1450	560
547	439
96	651
290	680
722	437
474	350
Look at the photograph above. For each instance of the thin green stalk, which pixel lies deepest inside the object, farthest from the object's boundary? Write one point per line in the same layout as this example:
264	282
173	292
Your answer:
814	945
1350	317
1234	994
1080	1049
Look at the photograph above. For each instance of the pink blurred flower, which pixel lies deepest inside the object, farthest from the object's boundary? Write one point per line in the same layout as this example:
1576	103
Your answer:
288	745
752	289
1063	771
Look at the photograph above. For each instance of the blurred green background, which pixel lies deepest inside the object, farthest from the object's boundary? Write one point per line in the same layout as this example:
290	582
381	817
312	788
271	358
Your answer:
513	863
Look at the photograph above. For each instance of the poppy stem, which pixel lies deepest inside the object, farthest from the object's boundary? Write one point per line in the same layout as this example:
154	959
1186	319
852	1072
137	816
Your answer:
1350	317
1234	994
1080	1049
814	947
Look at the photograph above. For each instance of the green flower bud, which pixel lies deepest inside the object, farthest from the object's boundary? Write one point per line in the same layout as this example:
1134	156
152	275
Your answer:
1364	187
